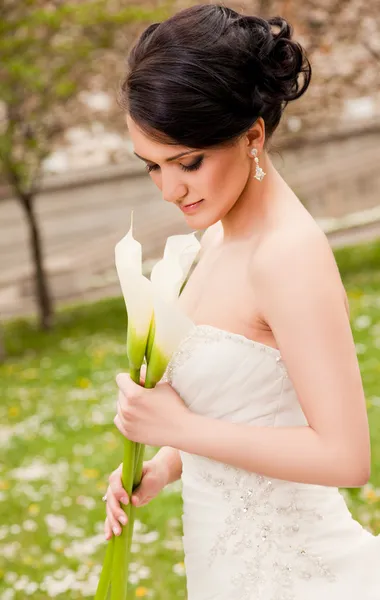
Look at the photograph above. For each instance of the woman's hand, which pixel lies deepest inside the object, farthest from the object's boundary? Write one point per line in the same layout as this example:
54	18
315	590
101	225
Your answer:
156	417
154	479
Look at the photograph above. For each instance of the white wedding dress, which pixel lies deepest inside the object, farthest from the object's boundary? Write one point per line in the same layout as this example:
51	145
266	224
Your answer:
249	537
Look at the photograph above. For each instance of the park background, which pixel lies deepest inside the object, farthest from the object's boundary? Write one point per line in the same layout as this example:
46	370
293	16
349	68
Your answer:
68	182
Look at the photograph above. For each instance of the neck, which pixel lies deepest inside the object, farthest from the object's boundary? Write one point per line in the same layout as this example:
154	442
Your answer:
253	208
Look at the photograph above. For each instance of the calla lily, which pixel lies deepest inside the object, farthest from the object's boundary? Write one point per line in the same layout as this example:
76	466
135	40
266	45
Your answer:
137	296
169	325
137	292
156	326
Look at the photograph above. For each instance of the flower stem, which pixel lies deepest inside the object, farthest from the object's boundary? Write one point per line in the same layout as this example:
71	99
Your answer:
136	482
135	375
104	583
121	558
120	565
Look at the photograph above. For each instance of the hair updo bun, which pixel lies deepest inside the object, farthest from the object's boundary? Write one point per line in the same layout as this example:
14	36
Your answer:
202	77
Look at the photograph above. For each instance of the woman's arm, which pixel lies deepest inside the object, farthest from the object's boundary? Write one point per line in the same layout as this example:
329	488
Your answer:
299	291
171	458
289	453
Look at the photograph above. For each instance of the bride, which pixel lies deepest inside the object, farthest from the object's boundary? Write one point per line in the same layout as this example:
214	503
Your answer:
261	412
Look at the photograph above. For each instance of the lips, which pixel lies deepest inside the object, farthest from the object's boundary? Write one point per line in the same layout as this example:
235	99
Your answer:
190	207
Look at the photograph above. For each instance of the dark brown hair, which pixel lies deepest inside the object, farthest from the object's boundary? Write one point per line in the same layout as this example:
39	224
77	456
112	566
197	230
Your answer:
202	77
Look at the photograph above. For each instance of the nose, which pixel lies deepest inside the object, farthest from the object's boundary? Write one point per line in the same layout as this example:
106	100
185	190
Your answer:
172	188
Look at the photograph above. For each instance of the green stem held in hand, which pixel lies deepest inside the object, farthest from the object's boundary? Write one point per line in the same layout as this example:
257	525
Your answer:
137	480
120	566
121	555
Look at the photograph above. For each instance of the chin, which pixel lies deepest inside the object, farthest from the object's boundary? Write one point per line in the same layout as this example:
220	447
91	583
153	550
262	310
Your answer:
200	221
203	218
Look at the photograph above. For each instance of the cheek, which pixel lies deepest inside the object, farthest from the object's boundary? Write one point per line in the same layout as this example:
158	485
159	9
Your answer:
226	181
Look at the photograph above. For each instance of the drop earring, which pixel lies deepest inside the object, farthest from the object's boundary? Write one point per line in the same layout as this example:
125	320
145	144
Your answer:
259	175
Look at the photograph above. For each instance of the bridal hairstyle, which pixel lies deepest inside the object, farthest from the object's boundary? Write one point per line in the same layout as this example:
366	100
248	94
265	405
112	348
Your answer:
202	77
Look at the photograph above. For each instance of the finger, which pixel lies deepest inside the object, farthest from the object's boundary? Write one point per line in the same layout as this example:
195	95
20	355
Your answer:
142	374
120	426
116	487
143	491
142	502
121	403
107	529
125	383
117	512
115	526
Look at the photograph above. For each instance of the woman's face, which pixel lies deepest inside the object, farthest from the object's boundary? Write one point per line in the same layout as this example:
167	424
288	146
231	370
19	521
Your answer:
204	184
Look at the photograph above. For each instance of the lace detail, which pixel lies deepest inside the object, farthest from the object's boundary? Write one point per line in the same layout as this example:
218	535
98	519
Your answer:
209	334
263	528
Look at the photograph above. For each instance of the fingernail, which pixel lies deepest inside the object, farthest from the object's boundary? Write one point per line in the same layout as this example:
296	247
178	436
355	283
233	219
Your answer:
123	519
116	530
124	500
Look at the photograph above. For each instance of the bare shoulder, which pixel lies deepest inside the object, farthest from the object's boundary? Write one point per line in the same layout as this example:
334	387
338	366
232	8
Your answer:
297	255
300	296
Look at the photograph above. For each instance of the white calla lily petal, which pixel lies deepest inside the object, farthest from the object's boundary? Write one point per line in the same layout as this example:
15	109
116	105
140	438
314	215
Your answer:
128	253
137	292
171	328
169	274
182	247
167	279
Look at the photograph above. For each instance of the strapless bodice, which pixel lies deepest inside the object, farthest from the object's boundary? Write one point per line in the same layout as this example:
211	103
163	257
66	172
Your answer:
227	376
248	537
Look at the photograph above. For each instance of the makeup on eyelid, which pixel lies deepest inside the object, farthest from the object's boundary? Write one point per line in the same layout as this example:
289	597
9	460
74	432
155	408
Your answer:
192	167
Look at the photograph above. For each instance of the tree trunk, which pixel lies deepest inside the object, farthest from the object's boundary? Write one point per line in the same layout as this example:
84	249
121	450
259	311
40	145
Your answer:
43	296
2	347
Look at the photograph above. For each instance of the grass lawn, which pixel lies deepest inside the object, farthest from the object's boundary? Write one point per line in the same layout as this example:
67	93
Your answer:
59	444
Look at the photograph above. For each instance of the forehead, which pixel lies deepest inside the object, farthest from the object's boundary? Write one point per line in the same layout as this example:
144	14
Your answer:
144	145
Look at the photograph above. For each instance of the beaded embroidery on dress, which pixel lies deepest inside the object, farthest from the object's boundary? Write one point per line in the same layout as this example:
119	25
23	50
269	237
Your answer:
247	537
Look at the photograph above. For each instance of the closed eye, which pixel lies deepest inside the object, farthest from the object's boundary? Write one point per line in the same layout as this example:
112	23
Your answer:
193	167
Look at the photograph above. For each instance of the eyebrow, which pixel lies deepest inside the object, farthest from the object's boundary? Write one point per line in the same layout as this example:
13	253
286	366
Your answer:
168	159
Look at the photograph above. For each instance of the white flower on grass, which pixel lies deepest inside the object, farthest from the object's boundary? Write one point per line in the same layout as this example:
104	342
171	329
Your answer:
10	577
147	538
98	417
31	588
49	559
30	525
360	348
87	501
362	322
32	472
15	529
133	578
175	544
144	572
75	532
86	547
179	569
57	544
10	550
56	524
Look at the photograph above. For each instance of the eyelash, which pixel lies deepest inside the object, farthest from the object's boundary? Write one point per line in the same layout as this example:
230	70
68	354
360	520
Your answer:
194	167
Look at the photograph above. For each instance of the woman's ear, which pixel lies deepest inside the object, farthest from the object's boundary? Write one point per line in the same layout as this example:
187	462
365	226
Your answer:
255	136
